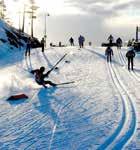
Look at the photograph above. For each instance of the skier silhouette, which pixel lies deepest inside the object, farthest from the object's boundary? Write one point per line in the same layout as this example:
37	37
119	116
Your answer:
130	56
28	47
109	54
81	40
119	43
43	44
40	76
71	40
110	39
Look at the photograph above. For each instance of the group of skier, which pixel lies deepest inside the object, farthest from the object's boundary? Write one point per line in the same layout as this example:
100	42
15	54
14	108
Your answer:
40	75
130	54
29	45
117	43
81	40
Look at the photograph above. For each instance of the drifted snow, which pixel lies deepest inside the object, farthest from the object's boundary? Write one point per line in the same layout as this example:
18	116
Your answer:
99	111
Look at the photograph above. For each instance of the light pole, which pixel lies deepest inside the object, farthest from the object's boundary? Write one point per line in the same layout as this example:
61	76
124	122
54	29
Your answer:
23	23
32	13
19	33
3	9
45	31
33	9
32	23
137	34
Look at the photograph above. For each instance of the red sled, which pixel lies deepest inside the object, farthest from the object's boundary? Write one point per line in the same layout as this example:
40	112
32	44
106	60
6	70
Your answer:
18	97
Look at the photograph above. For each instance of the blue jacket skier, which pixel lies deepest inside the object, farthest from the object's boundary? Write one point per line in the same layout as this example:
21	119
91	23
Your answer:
81	41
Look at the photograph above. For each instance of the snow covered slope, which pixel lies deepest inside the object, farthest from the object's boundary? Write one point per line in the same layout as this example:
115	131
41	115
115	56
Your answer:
11	41
99	111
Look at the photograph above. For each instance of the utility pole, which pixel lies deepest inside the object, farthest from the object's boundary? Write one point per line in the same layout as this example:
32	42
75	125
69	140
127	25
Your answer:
45	34
19	33
23	23
137	34
32	22
32	13
3	9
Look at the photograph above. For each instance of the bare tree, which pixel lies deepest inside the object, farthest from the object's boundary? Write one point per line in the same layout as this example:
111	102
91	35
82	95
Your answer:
2	9
33	9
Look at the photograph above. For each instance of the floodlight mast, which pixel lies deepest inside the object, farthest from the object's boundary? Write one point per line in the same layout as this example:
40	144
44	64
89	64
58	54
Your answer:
137	34
45	32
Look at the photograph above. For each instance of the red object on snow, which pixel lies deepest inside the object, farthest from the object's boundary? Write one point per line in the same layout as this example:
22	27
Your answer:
18	97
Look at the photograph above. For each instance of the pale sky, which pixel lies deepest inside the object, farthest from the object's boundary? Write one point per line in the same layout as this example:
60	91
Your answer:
94	19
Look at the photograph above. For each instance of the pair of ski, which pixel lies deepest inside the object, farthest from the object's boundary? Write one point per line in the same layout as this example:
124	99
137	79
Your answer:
59	84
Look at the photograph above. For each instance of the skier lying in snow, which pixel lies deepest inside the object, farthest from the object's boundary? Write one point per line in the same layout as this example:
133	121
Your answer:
40	76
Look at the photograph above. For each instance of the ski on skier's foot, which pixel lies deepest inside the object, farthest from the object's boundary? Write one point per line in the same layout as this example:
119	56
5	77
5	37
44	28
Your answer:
65	83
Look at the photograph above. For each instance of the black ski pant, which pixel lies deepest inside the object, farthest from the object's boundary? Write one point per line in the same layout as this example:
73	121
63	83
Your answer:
43	48
50	83
130	63
110	41
28	49
81	45
46	82
72	44
109	58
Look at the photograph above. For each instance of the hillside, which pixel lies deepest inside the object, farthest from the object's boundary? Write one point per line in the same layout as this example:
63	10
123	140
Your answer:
12	41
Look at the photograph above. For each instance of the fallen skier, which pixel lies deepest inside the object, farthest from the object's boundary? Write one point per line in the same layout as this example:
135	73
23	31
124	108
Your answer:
40	78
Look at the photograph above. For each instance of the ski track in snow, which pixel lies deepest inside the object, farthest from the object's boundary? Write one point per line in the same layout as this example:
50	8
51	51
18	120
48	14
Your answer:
126	127
113	137
130	125
72	117
134	79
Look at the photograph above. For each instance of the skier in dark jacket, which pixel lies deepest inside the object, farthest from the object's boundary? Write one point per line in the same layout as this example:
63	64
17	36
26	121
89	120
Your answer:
119	43
71	40
110	39
28	47
43	44
130	56
40	76
81	41
109	54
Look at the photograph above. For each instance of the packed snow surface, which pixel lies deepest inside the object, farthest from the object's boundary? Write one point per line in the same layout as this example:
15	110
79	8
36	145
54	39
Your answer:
99	111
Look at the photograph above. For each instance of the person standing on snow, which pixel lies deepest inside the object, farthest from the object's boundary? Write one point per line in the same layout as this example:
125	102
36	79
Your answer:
90	43
119	43
109	54
81	41
43	44
71	40
28	47
110	39
130	56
